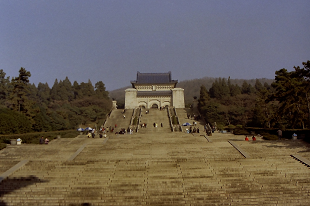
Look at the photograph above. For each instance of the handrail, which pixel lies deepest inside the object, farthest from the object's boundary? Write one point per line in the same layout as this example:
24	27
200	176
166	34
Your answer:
180	128
169	115
139	119
132	117
107	116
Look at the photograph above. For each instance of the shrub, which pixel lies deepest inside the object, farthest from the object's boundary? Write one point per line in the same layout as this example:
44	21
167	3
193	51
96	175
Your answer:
174	120
231	126
33	138
135	121
240	131
2	146
12	122
268	136
220	127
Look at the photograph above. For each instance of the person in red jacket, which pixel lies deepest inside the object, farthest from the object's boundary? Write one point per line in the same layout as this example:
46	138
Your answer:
254	138
246	138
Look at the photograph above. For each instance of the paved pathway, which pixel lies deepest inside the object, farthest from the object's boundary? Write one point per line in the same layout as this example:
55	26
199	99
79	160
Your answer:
157	169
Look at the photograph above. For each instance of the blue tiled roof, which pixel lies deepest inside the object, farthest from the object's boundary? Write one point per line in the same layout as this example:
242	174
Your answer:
154	78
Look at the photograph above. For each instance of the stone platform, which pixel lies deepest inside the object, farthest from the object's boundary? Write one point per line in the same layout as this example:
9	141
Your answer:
156	169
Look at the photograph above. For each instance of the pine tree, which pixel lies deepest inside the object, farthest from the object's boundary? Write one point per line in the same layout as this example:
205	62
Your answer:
291	95
19	97
4	87
258	86
100	90
43	93
54	91
68	88
203	99
219	89
76	90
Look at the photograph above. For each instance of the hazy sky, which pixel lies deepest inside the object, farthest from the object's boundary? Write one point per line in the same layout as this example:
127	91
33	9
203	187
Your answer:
110	40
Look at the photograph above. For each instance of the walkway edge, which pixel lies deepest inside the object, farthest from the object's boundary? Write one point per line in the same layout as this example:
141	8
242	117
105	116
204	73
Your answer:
207	138
12	169
77	152
239	149
302	159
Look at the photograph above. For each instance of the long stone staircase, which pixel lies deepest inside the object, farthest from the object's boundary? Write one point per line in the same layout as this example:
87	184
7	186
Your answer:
182	114
156	168
159	117
117	118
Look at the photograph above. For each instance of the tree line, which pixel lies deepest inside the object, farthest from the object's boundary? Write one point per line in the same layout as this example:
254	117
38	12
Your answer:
25	107
285	103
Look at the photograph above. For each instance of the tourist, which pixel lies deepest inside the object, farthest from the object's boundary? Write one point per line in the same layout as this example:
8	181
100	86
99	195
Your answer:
197	129
254	138
294	136
161	124
42	140
124	116
89	135
279	134
46	141
246	138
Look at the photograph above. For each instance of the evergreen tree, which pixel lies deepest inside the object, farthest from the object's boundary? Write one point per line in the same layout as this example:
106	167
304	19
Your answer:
258	86
291	96
100	90
43	93
219	89
19	97
4	87
54	91
203	100
68	88
246	88
76	90
234	90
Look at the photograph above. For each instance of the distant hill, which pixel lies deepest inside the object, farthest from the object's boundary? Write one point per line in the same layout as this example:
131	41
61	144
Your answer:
191	87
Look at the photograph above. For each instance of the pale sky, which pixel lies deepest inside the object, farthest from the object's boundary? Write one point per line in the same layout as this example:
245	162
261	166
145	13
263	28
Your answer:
110	40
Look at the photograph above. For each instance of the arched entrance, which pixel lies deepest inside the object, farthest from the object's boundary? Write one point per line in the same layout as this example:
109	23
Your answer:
154	106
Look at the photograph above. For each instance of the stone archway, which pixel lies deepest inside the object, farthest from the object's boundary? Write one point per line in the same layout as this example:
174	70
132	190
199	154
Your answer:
154	106
142	104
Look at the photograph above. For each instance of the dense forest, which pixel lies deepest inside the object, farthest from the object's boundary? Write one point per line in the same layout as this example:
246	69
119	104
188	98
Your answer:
191	88
283	104
25	107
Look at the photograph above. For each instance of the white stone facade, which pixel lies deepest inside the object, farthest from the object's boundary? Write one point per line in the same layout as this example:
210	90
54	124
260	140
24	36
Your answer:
154	90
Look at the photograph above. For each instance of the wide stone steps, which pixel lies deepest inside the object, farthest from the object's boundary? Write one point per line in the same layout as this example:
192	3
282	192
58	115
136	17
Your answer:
157	170
117	118
155	116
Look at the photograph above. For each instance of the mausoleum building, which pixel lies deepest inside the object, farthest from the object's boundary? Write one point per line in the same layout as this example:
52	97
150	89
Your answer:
154	90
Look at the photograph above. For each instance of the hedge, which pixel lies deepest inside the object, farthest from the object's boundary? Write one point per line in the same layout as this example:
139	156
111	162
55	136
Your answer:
33	138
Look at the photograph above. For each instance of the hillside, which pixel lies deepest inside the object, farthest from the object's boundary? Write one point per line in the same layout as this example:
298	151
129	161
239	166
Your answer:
191	87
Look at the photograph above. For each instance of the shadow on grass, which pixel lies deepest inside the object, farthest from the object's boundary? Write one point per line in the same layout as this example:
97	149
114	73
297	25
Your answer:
11	184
